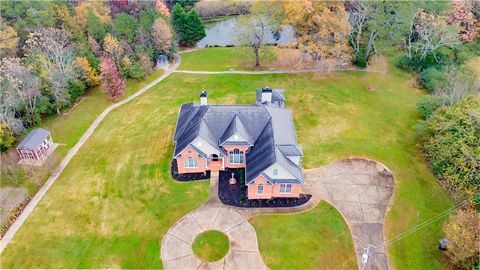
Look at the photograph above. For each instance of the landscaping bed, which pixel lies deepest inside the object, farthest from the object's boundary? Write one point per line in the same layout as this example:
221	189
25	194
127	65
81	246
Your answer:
236	194
186	177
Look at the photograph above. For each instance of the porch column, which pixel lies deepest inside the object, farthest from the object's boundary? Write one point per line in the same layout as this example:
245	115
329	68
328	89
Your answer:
223	163
206	163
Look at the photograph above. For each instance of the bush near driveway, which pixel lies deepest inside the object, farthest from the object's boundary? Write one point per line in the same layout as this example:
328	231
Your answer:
452	145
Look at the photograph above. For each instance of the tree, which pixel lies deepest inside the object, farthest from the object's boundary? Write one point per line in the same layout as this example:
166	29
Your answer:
428	34
6	137
51	51
462	14
97	7
20	92
463	233
125	26
452	143
264	17
185	4
322	28
162	36
88	73
457	85
95	27
162	8
112	47
188	26
147	18
8	39
112	83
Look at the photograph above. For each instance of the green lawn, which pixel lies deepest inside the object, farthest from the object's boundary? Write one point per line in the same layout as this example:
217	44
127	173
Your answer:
320	239
211	246
116	199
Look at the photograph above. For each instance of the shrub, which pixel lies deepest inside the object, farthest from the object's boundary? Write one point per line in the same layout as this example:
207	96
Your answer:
463	233
430	78
6	138
452	143
427	106
76	88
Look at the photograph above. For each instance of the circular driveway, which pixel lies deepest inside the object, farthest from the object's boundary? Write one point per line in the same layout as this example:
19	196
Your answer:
176	249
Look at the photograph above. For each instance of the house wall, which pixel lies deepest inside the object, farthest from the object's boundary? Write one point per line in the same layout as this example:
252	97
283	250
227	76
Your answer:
229	148
185	154
253	189
271	191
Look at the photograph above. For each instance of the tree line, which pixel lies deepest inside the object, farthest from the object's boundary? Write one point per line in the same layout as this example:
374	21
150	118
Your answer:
52	51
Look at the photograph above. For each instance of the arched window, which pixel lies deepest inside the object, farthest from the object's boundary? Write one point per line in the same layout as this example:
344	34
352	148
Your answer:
260	189
236	156
275	172
190	163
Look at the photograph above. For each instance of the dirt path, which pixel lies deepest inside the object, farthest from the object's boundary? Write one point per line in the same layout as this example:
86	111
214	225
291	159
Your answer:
56	173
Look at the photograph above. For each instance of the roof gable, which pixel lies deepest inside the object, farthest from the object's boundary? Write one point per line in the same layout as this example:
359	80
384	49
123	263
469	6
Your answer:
236	132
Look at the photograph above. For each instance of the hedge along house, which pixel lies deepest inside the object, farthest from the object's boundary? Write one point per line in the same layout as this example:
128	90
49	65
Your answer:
258	137
36	147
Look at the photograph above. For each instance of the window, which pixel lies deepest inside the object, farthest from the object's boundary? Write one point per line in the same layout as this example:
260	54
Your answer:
260	189
285	188
190	163
275	172
236	156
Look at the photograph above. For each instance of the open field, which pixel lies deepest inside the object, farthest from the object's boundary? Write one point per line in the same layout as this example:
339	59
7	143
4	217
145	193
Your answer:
116	199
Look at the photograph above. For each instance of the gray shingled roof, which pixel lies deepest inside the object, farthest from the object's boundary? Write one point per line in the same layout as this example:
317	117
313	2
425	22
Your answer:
236	127
34	139
269	129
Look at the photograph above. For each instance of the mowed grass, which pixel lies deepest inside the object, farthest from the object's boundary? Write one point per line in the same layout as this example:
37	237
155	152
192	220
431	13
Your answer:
211	245
320	239
114	202
68	128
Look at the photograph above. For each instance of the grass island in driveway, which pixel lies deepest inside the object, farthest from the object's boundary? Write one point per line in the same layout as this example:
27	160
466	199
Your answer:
116	199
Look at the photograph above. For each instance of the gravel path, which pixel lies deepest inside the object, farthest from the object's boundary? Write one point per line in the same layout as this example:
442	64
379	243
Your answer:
56	173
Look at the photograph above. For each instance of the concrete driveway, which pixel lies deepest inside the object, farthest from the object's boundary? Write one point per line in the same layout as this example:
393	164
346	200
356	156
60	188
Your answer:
360	189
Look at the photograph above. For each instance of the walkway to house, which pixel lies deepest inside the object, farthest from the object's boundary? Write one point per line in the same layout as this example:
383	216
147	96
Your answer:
360	189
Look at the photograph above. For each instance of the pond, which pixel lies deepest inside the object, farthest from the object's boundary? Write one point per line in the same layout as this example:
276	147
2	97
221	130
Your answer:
223	33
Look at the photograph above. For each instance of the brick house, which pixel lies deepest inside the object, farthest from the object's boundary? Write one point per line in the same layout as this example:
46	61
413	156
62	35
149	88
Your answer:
258	137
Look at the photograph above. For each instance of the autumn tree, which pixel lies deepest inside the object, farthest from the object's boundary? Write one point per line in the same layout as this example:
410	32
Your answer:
87	72
8	39
462	14
162	36
253	28
112	47
321	27
96	7
112	83
463	234
162	8
6	137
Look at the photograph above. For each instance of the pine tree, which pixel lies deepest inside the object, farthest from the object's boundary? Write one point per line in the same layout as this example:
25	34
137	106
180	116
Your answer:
188	26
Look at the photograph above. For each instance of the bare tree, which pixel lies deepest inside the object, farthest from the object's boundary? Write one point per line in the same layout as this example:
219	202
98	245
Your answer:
253	28
428	33
458	84
52	49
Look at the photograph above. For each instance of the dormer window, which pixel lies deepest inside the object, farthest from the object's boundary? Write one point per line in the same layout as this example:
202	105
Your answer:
236	156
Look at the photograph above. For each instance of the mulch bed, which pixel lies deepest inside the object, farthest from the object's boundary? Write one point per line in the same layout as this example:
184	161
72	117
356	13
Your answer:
236	195
187	177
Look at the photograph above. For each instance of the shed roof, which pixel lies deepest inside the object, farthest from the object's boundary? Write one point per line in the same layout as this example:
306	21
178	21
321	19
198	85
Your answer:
34	139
